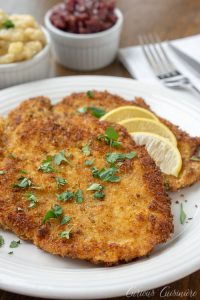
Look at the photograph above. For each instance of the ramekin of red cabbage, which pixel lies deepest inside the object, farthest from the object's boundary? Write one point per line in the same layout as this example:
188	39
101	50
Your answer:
85	34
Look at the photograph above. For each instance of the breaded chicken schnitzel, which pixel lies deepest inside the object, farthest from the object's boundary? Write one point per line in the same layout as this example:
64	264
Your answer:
187	145
79	187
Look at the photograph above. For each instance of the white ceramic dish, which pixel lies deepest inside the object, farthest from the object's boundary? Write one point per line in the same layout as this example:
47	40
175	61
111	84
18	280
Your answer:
85	52
31	271
29	70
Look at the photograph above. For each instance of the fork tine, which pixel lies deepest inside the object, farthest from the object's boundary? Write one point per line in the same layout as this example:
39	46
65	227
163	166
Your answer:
168	61
149	54
163	66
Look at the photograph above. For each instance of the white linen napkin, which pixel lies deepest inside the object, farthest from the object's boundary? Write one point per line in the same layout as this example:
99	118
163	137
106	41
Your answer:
135	62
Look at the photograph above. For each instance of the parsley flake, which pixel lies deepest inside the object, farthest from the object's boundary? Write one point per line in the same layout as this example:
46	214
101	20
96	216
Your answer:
110	137
86	150
89	162
99	195
33	199
95	187
113	157
46	165
65	196
97	112
65	220
14	244
22	171
79	196
53	213
23	183
10	253
2	242
106	174
8	24
182	214
60	157
60	181
90	94
65	234
98	188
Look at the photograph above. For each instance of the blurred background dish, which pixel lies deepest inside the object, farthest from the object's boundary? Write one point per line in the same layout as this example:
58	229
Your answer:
84	51
21	38
24	49
84	16
33	69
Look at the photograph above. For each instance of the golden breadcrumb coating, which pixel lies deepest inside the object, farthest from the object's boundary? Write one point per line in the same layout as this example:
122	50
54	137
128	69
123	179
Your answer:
187	145
132	218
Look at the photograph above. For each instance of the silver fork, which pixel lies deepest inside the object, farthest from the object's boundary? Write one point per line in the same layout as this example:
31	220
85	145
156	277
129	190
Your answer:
162	65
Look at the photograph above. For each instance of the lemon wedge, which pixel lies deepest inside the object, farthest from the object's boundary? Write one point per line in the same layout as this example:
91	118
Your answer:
151	126
166	156
127	112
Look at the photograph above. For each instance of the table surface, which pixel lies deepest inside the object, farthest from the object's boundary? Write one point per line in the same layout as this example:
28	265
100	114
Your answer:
170	19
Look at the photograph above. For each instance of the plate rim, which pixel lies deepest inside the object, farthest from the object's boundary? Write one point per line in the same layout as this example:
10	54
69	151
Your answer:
32	291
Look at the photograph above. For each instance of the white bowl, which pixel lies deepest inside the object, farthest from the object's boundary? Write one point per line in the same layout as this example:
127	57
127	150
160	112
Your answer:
85	52
33	69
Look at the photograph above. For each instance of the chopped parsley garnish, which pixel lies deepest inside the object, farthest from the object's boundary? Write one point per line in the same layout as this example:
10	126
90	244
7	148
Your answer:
110	137
65	234
95	172
65	196
99	195
53	213
95	187
65	220
2	242
10	253
89	162
95	111
60	181
60	157
90	94
8	24
23	183
22	171
46	165
14	244
106	174
82	110
113	157
86	149
98	188
33	199
182	215
2	172
195	158
79	196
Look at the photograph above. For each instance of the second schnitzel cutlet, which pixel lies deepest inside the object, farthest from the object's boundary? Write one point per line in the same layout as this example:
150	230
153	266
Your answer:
77	188
187	145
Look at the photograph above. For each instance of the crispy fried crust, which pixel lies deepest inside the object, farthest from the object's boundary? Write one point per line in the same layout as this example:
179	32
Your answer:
132	219
187	145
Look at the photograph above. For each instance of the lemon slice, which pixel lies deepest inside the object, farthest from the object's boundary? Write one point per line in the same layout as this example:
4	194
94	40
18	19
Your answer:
151	126
127	112
165	155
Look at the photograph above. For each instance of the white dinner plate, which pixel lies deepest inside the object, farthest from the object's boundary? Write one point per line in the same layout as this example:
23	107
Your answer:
31	271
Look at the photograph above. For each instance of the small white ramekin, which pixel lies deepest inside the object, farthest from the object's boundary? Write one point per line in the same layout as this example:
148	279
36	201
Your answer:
34	69
85	52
